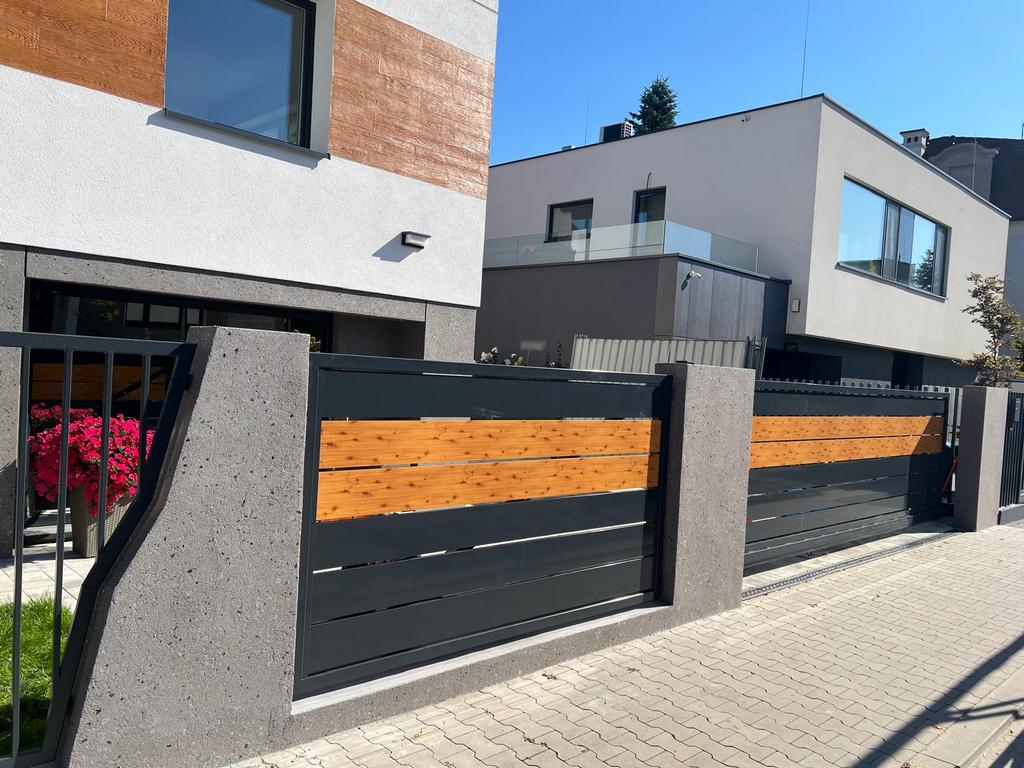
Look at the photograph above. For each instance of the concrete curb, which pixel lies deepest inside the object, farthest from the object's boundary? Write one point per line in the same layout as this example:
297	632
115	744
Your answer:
965	740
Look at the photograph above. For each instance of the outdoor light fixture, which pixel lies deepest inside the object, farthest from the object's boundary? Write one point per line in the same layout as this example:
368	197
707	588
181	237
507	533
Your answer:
415	240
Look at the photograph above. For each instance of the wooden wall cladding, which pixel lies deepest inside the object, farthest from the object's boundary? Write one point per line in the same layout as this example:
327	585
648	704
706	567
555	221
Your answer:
782	441
404	101
115	46
378	467
87	383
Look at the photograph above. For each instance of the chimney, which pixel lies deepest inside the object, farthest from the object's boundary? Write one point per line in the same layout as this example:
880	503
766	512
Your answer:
617	131
916	141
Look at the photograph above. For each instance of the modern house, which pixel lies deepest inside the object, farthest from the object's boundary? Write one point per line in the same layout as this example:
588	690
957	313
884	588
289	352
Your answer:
994	168
873	242
310	165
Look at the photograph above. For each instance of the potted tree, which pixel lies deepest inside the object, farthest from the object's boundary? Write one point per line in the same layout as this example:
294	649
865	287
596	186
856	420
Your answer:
84	465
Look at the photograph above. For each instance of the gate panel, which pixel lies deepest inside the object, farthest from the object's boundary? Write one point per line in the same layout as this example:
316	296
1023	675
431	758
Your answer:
1010	490
831	464
451	507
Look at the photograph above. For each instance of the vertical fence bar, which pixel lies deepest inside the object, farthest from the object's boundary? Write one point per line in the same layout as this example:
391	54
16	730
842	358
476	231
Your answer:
62	500
101	512
19	545
143	406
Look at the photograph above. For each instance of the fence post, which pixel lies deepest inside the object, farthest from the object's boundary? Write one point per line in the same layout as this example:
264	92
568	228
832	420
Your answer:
12	309
980	460
708	464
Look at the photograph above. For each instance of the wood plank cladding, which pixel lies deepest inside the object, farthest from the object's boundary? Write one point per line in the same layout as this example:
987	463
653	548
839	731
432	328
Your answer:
379	467
783	441
405	102
115	46
382	443
87	382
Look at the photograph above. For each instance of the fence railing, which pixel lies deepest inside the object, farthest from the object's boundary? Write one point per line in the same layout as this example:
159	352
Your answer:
94	418
1011	489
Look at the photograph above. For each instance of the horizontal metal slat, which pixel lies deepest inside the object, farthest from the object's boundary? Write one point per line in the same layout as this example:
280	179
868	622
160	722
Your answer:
781	479
390	537
339	593
811	404
823	497
367	636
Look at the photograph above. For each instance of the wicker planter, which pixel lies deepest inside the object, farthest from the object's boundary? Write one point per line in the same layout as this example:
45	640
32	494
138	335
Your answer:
84	536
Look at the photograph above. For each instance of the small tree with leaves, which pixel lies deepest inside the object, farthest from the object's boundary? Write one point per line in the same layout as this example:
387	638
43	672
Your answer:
657	108
1004	328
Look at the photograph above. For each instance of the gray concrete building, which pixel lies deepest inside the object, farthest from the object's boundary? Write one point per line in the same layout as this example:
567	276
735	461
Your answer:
874	242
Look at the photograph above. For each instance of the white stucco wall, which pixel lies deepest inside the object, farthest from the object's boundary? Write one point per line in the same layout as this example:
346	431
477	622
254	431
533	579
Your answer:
750	177
851	307
88	172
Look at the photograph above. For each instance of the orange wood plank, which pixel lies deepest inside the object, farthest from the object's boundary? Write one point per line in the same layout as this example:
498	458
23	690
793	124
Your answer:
382	443
774	428
346	494
87	382
793	452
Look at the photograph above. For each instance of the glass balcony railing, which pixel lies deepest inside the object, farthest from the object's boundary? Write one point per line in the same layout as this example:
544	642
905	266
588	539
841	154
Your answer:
628	240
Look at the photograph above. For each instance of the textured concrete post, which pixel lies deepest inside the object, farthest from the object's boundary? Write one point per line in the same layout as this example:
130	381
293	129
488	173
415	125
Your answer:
979	470
190	655
12	313
706	490
448	334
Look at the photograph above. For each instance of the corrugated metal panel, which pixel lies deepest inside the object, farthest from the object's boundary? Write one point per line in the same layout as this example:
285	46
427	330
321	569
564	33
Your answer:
641	355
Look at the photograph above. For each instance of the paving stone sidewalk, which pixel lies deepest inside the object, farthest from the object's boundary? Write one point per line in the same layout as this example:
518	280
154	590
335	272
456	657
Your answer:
864	667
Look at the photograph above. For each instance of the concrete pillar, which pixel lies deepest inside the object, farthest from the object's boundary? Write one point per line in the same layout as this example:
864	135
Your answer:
12	314
706	492
190	655
449	333
979	469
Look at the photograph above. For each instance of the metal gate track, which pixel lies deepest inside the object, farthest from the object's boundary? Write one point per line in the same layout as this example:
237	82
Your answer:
765	589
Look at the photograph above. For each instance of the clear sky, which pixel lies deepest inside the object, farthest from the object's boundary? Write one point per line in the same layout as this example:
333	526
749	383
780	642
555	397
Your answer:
951	67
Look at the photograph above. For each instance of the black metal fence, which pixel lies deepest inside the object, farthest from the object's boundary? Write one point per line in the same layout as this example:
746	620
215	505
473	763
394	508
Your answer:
450	507
1011	490
93	424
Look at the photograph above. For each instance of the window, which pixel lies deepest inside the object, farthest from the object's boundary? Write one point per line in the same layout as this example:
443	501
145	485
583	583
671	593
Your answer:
884	238
243	64
565	219
649	206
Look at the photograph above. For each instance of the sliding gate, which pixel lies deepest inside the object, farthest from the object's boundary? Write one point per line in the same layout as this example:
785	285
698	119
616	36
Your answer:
1011	490
830	465
450	507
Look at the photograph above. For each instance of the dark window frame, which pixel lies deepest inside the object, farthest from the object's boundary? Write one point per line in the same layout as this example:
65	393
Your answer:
305	117
146	321
549	237
939	284
636	200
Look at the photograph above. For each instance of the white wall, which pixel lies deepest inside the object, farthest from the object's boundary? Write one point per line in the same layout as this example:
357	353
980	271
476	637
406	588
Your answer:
850	307
84	171
750	177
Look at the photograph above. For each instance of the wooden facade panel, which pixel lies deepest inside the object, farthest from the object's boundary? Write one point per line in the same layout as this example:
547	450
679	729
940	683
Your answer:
347	494
773	428
794	452
115	46
405	102
87	383
383	443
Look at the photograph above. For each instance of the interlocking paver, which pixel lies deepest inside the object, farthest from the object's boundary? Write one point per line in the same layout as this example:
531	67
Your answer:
864	667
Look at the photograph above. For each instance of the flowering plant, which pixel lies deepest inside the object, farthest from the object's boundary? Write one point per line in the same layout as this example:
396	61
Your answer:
84	441
41	416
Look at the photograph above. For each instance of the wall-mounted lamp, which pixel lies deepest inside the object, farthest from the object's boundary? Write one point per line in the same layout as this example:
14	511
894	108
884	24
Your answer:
415	240
693	274
794	306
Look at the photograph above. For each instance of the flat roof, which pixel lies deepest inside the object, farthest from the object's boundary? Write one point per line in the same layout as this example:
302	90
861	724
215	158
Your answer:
825	98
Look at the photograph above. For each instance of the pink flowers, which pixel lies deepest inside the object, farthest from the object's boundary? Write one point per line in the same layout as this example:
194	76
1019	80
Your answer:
85	434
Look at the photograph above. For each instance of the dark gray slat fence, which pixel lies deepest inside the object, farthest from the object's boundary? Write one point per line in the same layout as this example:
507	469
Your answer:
806	508
1011	489
384	593
177	362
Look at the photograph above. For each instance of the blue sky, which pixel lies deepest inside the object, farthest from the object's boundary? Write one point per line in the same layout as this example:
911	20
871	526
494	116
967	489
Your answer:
950	67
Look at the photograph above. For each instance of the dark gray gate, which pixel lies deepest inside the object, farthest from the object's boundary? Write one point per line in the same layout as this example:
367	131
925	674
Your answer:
451	507
831	465
1011	491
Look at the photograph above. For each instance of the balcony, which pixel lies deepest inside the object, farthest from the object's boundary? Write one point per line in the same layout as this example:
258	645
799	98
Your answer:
626	241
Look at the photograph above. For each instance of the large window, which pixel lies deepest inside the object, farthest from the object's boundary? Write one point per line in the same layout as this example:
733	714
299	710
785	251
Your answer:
883	238
649	206
565	219
243	64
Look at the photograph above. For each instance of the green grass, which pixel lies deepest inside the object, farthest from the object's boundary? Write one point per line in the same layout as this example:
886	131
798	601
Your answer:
36	668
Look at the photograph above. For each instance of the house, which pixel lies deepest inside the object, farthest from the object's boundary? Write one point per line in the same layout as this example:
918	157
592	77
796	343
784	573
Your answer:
873	243
994	168
325	171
